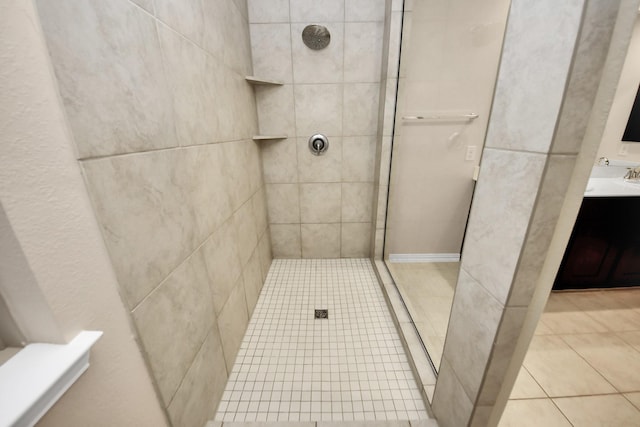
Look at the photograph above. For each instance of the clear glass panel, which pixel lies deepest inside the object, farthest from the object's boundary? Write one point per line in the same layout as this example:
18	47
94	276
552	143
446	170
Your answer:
448	67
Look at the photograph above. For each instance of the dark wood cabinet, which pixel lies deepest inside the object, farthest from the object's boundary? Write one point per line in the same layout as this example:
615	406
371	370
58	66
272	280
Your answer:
604	249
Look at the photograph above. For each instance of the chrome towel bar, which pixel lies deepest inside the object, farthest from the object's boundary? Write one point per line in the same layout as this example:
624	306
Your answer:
452	117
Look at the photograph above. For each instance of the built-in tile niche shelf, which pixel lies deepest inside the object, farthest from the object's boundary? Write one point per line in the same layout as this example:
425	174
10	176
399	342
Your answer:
268	137
262	82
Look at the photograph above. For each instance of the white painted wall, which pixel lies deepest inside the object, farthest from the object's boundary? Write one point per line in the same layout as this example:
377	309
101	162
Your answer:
47	208
622	103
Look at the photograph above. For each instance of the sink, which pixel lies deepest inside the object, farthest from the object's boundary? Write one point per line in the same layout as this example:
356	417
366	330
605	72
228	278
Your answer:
608	181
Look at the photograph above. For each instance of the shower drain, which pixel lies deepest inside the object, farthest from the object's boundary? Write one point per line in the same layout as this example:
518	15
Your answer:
321	314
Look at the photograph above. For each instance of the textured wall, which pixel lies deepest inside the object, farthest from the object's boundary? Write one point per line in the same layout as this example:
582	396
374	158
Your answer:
59	264
319	207
162	117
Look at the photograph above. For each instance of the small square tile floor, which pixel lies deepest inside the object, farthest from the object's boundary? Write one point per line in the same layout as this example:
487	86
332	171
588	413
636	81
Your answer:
350	366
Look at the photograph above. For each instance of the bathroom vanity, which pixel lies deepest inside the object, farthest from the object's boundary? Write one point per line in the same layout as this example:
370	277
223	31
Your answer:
604	248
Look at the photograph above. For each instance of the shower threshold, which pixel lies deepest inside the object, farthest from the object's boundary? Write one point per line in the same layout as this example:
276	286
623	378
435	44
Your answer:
349	366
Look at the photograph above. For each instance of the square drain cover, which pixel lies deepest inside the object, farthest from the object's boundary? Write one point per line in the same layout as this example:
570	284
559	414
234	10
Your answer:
322	314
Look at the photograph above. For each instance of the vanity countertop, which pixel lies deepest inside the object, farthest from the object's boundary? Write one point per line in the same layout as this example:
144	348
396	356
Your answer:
608	181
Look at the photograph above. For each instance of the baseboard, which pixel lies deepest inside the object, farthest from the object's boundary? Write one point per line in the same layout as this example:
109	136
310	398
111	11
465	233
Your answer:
424	258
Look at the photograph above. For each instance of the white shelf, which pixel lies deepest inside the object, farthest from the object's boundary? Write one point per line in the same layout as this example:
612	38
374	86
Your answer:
268	137
38	375
263	82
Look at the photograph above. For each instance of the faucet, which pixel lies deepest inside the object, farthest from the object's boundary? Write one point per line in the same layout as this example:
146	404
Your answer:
603	161
633	173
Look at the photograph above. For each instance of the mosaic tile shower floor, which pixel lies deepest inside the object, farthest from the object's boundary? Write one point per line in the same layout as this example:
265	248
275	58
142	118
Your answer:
293	367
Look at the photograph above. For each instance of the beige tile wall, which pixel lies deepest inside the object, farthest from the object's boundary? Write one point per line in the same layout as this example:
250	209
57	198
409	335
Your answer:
319	206
162	118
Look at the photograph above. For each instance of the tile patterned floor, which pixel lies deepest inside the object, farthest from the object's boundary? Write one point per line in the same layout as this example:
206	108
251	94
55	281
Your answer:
292	367
583	366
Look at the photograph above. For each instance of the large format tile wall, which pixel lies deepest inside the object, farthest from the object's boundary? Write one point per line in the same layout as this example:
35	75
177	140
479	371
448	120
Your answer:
162	118
319	207
545	93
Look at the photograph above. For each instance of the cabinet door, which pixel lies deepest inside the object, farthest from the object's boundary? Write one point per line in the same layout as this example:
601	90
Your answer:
627	270
588	259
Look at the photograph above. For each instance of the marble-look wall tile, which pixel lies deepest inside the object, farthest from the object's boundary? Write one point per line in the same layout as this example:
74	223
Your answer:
266	254
503	202
275	110
357	202
280	161
194	82
586	72
259	205
320	240
358	155
317	10
236	171
224	26
550	199
252	278
319	109
318	66
185	17
245	230
271	50
268	11
475	316
364	10
320	203
145	4
283	203
325	168
451	405
286	240
232	323
243	7
504	346
355	240
223	263
203	385
172	335
521	117
170	204
108	65
363	52
361	108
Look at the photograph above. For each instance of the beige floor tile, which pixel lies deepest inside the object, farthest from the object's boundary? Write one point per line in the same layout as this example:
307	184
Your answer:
560	371
634	398
562	316
632	338
614	309
543	329
526	387
532	413
611	356
599	411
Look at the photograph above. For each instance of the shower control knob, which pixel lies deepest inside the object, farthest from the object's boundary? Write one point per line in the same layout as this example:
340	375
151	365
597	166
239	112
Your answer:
318	144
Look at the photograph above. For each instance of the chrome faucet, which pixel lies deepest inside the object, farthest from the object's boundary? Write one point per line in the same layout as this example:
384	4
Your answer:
633	173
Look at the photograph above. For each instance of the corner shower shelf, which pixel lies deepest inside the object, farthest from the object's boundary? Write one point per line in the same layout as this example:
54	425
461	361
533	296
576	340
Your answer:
268	137
262	82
